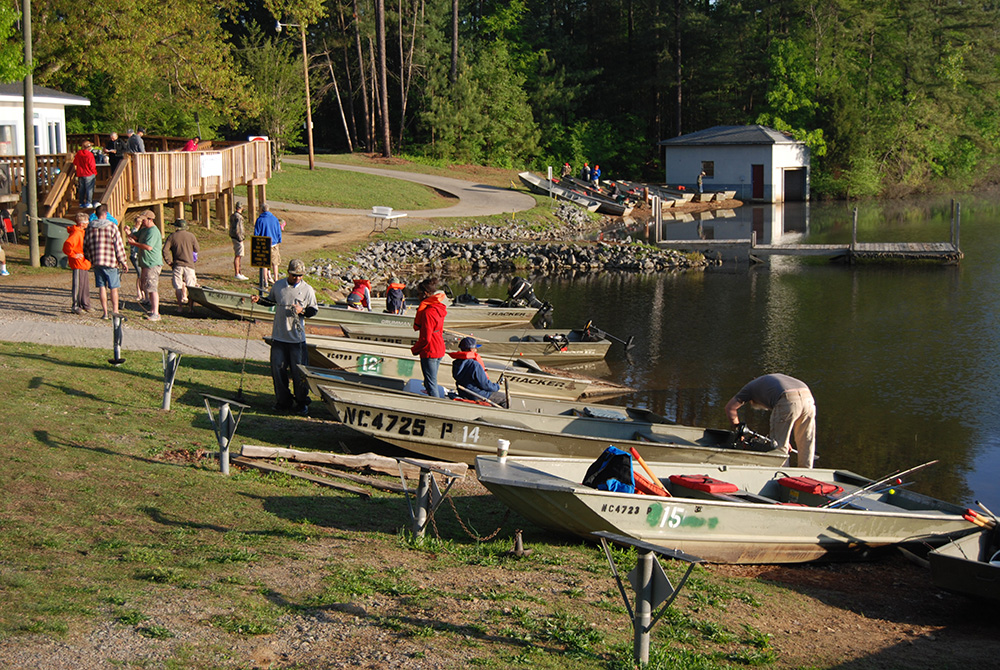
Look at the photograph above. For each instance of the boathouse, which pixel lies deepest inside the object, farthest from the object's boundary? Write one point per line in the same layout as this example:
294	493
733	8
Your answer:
50	119
759	163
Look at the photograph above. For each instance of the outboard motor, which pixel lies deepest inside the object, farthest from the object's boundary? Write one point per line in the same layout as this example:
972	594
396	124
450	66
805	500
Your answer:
745	438
520	294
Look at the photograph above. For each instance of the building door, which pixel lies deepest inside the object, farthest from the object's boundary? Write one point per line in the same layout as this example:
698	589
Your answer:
757	182
795	185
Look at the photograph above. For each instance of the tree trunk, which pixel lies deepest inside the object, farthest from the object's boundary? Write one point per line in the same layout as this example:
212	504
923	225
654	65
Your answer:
353	137
340	104
383	77
454	41
364	82
677	60
406	63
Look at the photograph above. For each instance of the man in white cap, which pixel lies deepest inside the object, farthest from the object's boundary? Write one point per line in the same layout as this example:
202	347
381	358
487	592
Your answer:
294	301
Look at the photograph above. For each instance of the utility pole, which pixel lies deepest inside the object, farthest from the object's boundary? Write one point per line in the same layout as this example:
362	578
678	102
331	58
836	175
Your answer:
30	185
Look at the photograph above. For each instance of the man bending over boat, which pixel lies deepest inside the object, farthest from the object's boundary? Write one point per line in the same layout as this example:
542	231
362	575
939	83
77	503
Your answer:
470	374
793	412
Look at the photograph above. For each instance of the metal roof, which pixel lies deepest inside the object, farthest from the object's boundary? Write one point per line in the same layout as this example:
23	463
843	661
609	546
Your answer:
731	135
15	93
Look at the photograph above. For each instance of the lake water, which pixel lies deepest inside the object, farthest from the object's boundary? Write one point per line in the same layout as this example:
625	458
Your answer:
903	359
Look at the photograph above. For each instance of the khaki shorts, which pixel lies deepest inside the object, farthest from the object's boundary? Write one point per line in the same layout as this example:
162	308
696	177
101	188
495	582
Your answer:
184	276
275	256
238	248
149	279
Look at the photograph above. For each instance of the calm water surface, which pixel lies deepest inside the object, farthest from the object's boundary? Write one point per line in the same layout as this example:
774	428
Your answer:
904	360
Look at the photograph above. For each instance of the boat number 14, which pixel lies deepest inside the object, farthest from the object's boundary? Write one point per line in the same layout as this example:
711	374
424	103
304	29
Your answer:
469	434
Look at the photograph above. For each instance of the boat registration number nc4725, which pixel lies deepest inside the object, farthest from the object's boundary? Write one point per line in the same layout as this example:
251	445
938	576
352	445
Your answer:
401	424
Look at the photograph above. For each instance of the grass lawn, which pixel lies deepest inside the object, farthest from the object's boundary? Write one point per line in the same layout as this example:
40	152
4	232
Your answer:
112	516
353	190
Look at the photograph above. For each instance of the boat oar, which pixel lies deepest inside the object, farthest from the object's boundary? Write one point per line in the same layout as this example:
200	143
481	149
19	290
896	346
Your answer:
972	516
986	509
655	483
628	344
874	485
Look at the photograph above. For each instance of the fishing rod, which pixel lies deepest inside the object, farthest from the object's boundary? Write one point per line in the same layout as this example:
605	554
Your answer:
874	485
246	345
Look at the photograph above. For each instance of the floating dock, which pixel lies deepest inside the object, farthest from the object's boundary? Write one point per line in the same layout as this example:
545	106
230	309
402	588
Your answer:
943	252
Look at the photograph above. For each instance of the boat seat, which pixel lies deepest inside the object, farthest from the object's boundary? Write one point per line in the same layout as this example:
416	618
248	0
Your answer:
709	488
647	437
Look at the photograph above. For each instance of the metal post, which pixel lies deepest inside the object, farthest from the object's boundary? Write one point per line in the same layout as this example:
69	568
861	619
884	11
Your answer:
225	427
171	361
958	224
421	513
118	333
643	607
854	230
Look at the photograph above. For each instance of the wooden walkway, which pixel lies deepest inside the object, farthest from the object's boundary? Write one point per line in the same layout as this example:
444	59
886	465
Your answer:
944	252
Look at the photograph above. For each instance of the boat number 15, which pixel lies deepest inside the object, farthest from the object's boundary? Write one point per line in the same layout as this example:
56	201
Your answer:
670	516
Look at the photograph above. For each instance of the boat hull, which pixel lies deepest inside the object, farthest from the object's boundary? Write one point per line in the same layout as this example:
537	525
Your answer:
497	343
716	530
239	305
963	566
460	431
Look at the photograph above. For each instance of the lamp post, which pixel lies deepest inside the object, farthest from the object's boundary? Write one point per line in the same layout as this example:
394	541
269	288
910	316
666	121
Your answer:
30	184
305	74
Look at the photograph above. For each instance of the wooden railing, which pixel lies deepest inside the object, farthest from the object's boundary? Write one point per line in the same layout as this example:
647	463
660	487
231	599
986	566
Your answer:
154	178
181	175
49	167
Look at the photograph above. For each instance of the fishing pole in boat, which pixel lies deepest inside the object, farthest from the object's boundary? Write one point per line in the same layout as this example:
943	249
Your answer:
874	485
986	509
590	328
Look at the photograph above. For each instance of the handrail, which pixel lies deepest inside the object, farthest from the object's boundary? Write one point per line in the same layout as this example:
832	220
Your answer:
55	203
116	195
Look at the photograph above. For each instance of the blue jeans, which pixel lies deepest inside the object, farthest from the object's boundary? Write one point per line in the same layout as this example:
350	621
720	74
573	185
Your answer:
286	357
85	189
429	366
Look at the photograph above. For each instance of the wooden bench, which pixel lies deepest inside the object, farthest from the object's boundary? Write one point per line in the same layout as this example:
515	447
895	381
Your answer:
384	218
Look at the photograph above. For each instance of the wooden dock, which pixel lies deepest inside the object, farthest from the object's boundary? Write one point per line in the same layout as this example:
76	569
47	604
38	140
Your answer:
943	252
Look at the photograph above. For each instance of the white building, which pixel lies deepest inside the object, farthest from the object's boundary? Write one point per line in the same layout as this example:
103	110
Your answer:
50	119
759	163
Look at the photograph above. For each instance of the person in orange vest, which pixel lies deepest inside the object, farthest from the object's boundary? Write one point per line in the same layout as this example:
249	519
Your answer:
395	299
360	297
73	248
470	375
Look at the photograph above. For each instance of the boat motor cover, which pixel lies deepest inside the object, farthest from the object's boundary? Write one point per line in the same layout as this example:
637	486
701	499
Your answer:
810	485
703	483
612	471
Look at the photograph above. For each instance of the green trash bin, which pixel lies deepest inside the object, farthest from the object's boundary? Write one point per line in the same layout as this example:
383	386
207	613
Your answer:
56	232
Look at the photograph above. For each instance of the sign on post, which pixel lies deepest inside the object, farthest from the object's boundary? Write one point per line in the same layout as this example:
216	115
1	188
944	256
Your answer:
260	251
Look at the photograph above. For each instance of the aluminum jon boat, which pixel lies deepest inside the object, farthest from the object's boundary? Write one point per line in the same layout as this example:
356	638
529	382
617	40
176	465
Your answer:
727	513
239	305
524	379
454	430
969	565
557	347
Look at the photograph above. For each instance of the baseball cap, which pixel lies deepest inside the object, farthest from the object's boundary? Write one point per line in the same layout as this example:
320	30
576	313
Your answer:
468	344
181	223
296	267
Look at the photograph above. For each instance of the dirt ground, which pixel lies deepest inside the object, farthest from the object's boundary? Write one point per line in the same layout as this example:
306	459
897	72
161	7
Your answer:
884	614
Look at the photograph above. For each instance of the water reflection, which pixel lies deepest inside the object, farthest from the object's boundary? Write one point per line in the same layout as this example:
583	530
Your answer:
904	360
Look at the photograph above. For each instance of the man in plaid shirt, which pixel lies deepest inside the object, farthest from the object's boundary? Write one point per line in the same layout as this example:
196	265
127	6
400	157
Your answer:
102	246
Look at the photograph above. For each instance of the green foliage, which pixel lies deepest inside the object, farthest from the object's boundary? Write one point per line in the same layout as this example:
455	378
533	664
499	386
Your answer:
273	69
11	51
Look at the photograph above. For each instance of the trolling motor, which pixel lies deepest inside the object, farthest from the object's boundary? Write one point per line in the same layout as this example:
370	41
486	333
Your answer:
744	438
520	294
592	333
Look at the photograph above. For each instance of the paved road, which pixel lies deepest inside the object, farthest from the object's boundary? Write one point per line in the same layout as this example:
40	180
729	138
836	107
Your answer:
474	199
